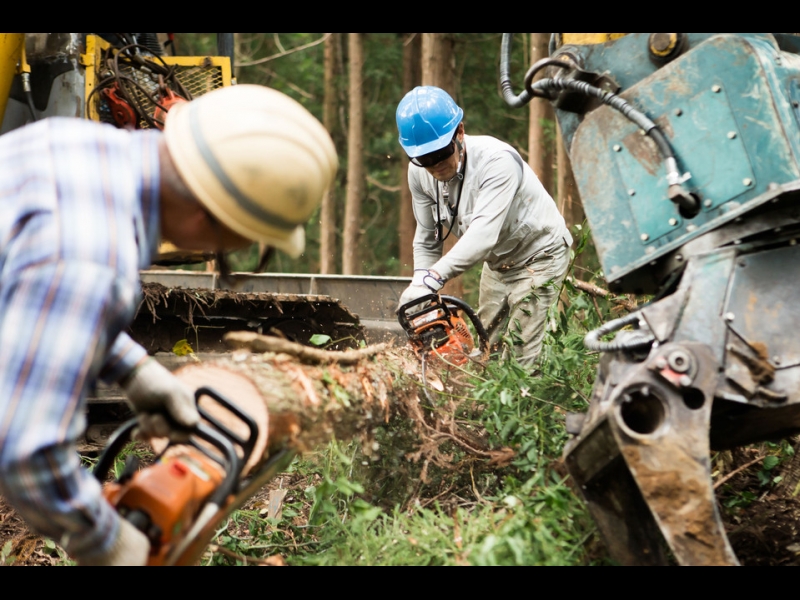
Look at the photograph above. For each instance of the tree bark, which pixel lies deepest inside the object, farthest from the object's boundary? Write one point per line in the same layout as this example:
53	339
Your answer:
301	398
569	202
351	264
412	77
439	69
327	228
540	144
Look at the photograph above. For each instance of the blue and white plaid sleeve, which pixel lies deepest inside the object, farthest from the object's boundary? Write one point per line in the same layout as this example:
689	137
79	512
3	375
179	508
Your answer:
69	255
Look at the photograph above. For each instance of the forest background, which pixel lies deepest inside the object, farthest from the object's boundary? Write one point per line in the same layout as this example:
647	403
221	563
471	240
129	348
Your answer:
340	508
353	84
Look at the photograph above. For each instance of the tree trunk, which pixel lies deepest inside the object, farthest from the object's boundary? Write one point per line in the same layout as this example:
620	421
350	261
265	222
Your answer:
569	202
351	264
412	77
327	226
439	69
302	397
540	144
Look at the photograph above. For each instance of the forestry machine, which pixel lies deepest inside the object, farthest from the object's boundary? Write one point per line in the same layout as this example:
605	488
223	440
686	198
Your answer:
686	152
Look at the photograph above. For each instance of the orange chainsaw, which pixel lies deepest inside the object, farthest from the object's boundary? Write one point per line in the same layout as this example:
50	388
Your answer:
179	500
436	328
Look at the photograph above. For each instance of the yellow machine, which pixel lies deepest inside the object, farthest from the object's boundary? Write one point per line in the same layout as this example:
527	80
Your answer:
127	80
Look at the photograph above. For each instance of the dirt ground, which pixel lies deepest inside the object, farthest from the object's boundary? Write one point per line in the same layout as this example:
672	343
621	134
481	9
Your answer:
763	532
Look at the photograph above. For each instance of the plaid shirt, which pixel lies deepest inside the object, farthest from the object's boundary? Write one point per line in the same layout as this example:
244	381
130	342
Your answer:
78	219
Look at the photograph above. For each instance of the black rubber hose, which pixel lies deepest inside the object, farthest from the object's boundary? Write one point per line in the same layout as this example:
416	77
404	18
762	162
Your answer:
547	87
538	66
634	339
31	107
615	102
511	99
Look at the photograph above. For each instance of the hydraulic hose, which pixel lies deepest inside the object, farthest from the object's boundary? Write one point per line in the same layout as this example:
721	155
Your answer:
26	87
632	339
511	99
546	88
676	192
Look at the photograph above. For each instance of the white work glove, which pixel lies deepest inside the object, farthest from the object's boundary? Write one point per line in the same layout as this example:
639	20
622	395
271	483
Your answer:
130	549
153	391
423	283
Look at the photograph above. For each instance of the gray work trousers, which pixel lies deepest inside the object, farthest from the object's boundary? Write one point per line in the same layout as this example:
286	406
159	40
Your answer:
513	303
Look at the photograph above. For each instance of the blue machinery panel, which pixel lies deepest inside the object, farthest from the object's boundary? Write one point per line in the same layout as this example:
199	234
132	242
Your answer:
726	109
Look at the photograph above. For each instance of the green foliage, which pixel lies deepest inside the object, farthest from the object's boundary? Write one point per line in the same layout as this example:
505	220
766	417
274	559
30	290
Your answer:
367	510
319	339
5	554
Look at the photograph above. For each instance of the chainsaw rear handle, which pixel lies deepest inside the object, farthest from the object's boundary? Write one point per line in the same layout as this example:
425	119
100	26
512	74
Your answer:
220	437
228	460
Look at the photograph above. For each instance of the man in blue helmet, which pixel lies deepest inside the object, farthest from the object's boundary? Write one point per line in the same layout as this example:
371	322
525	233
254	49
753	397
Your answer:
479	189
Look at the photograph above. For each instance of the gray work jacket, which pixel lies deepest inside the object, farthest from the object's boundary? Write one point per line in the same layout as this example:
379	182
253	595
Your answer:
504	215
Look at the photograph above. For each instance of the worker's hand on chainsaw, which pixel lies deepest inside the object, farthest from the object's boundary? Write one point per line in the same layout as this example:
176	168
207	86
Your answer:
423	283
130	549
155	392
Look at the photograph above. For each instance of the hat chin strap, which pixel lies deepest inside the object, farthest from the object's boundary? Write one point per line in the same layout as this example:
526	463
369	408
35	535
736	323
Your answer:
459	175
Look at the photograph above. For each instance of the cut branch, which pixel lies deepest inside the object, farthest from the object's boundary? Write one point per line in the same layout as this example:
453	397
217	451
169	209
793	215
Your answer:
383	186
255	342
600	292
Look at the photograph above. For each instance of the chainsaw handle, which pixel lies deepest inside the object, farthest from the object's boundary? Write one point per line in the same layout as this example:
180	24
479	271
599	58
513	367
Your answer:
115	445
222	438
228	459
429	303
248	444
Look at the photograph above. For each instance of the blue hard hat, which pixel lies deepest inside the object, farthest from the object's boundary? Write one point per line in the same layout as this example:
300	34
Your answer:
427	118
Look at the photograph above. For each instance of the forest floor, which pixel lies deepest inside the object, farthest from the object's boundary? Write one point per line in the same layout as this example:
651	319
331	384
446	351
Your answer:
762	526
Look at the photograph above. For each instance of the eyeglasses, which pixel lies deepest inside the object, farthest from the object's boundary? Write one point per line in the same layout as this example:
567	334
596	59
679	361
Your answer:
435	157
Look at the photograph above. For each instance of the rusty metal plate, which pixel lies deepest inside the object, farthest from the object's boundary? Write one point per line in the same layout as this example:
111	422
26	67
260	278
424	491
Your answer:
763	305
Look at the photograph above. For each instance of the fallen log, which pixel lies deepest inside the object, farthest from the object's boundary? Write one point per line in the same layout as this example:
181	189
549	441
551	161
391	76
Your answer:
298	405
302	398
